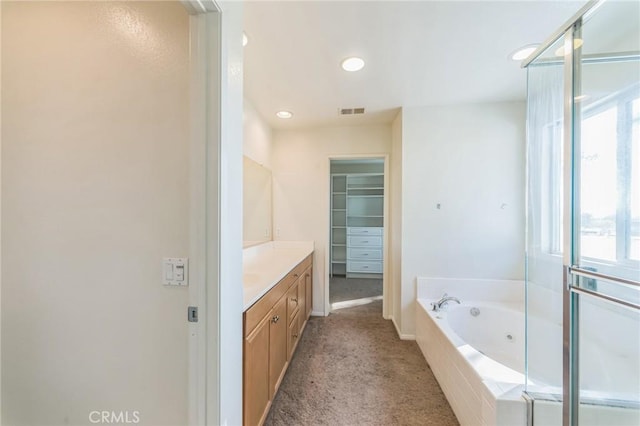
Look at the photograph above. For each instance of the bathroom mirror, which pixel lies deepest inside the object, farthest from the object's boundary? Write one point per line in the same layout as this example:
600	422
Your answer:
256	203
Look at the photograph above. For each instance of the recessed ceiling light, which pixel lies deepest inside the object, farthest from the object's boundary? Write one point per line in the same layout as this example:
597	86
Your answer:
577	42
245	39
284	114
352	64
523	52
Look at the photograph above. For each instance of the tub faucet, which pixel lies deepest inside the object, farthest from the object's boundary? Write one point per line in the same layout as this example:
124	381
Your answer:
443	301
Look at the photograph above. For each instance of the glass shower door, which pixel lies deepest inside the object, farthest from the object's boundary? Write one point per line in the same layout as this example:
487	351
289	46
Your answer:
583	221
544	265
603	376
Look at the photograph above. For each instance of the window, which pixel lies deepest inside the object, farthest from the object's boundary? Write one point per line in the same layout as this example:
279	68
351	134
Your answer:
609	173
599	190
634	197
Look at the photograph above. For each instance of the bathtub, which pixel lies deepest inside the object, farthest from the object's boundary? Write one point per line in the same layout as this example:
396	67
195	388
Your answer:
476	351
478	359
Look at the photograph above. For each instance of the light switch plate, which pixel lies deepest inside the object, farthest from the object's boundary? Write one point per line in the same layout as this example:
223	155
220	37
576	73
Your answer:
175	271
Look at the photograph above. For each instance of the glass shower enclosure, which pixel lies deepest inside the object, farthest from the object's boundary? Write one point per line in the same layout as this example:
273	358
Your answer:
583	220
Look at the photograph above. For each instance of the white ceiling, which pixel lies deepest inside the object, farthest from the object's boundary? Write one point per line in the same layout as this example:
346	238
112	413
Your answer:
417	53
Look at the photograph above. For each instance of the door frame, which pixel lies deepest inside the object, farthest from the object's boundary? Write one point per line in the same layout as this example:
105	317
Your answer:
387	301
574	290
215	235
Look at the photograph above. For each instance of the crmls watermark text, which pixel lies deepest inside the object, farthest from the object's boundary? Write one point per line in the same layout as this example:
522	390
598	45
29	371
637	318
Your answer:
114	417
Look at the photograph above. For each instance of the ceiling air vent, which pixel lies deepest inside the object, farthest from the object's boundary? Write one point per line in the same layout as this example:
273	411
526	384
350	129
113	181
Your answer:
350	111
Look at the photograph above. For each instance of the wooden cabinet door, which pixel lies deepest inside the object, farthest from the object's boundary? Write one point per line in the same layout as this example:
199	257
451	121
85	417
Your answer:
293	335
277	345
308	279
256	374
302	298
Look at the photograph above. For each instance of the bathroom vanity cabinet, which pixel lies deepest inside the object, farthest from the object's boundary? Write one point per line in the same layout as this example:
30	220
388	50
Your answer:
272	328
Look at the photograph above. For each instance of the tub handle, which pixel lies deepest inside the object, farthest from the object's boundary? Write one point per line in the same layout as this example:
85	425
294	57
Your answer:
434	305
443	301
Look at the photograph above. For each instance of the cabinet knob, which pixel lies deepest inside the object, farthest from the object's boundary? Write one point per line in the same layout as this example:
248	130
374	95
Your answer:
295	275
295	336
294	299
275	319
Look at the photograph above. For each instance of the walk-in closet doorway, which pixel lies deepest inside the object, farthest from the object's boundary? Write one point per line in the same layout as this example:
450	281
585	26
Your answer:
357	252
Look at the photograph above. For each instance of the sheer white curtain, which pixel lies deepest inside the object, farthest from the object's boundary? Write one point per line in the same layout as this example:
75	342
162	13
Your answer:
544	219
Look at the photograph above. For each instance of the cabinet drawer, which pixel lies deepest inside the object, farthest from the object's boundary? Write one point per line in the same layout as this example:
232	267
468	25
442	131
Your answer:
364	231
364	253
292	301
370	267
365	241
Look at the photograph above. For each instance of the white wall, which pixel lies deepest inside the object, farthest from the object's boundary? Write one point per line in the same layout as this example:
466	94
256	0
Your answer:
257	136
470	159
301	185
95	191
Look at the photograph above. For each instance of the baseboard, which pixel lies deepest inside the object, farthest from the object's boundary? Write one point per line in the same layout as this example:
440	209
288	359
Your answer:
400	335
407	337
393	320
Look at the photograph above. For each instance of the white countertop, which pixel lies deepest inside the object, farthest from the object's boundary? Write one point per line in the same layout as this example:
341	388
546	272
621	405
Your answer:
266	264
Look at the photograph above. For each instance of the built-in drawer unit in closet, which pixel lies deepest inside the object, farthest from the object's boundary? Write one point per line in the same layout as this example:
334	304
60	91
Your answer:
364	251
364	267
365	254
360	241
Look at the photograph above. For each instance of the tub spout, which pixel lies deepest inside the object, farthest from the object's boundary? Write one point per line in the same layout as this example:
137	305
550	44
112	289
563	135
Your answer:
444	301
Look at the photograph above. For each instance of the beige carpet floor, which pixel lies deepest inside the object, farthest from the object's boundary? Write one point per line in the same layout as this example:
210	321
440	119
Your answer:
341	288
350	368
